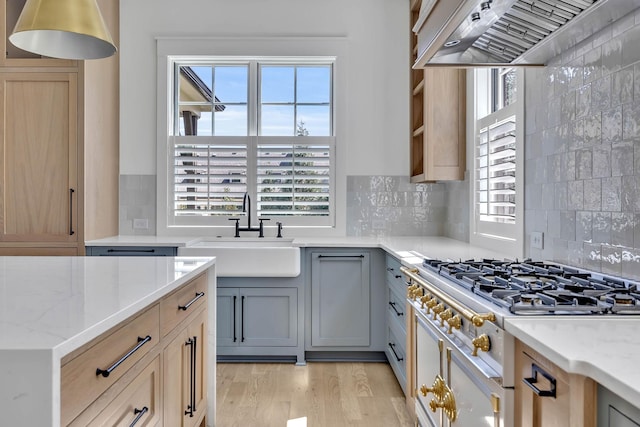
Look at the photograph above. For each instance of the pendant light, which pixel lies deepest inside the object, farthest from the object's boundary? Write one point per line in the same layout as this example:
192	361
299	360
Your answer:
68	29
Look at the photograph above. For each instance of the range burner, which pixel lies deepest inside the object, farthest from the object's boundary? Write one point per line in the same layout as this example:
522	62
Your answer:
535	287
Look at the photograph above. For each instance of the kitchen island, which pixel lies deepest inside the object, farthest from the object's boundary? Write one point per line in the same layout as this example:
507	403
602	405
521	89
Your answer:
51	308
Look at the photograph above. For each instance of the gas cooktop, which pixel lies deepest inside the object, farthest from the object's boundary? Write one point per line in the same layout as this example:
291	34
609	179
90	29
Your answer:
535	287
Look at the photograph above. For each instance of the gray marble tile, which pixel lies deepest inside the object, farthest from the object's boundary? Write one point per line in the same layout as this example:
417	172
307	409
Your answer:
561	195
611	56
622	87
631	120
568	225
601	227
575	254
583	101
611	260
622	228
593	194
584	164
631	193
622	159
592	256
630	263
548	196
611	196
584	225
612	125
560	250
553	223
630	46
592	65
575	194
574	67
636	81
568	106
601	162
532	194
593	129
601	93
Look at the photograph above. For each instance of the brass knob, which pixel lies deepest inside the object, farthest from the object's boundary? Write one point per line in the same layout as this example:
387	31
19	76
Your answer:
479	319
454	323
448	405
480	342
438	388
424	299
431	303
437	309
410	290
445	315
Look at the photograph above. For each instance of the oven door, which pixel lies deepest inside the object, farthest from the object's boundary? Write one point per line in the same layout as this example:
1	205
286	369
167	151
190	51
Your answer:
469	397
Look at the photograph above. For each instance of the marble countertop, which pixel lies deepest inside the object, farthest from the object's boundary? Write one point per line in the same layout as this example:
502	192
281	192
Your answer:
603	348
60	303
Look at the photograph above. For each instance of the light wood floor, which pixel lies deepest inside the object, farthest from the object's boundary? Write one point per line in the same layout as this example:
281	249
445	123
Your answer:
328	394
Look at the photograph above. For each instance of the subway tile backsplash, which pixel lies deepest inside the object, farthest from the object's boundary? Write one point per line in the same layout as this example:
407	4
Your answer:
583	129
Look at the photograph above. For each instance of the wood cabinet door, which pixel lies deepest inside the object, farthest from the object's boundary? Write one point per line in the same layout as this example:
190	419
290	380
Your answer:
340	300
38	157
181	394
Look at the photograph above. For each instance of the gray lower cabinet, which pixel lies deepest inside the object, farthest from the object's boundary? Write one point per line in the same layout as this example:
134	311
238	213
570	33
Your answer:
614	411
340	299
258	322
396	320
131	251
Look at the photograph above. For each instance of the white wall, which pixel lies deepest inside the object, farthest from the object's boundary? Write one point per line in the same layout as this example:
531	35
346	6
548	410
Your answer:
377	82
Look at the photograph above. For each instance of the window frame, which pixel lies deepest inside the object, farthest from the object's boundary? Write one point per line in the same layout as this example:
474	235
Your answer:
289	50
482	93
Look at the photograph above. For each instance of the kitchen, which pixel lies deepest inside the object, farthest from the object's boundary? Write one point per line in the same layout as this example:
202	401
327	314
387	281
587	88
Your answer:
580	176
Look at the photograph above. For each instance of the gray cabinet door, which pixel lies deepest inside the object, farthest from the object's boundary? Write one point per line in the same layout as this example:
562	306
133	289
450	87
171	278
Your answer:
227	316
269	317
340	299
614	411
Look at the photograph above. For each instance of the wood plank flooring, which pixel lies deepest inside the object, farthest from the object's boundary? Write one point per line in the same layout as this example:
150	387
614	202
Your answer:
328	394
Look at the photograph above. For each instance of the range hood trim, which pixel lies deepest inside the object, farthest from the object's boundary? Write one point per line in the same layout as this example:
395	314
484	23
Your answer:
593	19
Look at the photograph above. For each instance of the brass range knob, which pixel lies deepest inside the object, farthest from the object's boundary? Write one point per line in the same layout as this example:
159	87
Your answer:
447	404
445	315
437	310
431	303
480	342
424	299
411	291
454	323
438	388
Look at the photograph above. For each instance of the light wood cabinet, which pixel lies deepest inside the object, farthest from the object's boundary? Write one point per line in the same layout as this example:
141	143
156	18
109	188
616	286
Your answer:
153	360
185	375
40	157
437	118
59	146
547	396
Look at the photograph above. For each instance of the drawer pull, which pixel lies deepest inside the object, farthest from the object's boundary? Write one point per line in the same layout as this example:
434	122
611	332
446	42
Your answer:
535	369
392	347
393	305
187	305
139	413
141	341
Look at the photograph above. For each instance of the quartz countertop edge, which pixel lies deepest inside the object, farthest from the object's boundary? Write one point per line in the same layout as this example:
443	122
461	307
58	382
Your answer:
602	348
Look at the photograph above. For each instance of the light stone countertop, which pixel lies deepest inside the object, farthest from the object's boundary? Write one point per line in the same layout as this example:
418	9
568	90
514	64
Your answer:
605	348
50	306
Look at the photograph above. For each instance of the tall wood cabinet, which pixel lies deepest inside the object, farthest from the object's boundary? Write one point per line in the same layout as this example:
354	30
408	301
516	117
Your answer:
59	138
437	118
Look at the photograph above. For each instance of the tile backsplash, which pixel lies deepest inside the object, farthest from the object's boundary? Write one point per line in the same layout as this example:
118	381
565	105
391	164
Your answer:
392	206
582	167
137	201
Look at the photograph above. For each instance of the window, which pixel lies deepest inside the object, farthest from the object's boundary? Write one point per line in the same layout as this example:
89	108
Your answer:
261	127
496	194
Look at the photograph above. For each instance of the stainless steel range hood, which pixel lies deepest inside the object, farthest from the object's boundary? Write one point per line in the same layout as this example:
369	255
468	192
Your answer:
508	32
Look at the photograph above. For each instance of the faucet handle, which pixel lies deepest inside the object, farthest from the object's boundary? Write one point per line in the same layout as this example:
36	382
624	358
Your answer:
279	229
237	226
262	226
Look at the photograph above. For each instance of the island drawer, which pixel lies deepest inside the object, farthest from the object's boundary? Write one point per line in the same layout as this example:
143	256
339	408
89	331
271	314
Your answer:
176	306
138	404
105	360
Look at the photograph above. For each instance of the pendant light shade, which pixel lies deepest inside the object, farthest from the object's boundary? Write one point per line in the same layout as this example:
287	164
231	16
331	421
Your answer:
68	29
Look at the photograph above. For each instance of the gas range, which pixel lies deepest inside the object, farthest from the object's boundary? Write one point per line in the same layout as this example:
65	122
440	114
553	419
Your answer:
541	288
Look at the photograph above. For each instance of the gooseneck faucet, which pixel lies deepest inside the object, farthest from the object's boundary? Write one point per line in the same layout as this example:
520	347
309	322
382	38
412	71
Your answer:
248	212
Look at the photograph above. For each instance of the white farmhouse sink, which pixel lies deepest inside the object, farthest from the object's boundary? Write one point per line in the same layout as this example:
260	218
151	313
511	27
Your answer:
249	257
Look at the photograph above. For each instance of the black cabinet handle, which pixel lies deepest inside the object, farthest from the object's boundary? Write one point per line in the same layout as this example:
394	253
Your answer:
392	347
187	305
389	269
191	407
139	413
535	369
141	342
397	276
393	305
242	319
71	232
235	338
340	256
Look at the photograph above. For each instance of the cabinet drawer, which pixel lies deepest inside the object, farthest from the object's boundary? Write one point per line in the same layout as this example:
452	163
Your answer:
81	383
395	279
397	356
139	402
132	251
175	307
397	308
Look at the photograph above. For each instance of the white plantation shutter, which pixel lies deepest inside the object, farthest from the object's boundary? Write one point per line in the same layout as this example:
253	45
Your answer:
294	179
496	172
210	179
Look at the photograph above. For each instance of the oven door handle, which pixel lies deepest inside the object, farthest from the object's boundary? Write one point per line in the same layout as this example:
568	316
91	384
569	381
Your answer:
531	382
